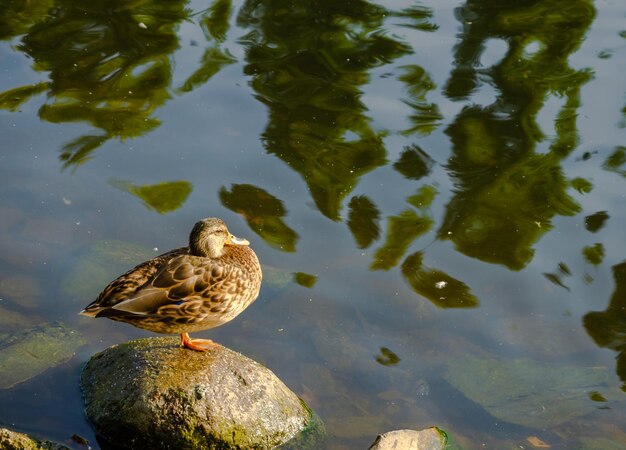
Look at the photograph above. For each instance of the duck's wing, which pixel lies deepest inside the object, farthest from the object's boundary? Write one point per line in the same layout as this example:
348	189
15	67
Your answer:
127	285
182	286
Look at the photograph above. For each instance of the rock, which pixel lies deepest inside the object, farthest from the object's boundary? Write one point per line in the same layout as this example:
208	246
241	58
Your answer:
429	439
9	218
27	353
355	427
338	347
21	255
12	320
540	337
11	440
599	443
150	393
527	392
20	289
48	230
99	263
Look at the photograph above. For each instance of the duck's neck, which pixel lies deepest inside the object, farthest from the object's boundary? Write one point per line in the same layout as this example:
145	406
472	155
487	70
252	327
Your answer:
207	248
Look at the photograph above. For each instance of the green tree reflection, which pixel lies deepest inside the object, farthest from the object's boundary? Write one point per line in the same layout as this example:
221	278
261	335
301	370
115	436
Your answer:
387	357
616	161
404	228
263	212
161	197
108	66
418	17
215	24
556	277
507	193
426	115
363	218
307	62
595	222
304	279
17	17
108	62
440	288
414	163
594	254
608	327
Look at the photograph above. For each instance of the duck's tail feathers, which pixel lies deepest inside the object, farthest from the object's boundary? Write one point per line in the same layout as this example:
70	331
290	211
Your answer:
90	312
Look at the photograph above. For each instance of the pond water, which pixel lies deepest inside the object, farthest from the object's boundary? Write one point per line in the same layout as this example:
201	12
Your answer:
436	191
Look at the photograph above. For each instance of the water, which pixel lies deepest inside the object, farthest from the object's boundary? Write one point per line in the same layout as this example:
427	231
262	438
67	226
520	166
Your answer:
446	179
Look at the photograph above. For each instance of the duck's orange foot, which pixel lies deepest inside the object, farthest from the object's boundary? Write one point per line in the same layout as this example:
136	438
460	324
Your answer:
200	345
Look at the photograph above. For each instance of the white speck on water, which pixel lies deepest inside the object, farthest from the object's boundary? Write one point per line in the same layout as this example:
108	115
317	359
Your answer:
156	249
441	284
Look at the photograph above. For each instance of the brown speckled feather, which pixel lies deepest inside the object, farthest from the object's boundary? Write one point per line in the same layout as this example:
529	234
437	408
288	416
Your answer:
177	292
126	285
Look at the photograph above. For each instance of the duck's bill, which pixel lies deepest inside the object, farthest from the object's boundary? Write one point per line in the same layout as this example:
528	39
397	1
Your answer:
237	241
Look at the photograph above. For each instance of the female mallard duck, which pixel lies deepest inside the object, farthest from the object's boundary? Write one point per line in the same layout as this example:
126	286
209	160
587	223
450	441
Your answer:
188	289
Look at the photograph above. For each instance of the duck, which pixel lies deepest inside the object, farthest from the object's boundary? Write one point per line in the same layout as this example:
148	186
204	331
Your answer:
188	289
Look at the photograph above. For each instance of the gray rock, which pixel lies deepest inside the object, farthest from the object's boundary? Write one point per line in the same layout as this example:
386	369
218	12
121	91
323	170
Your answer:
23	290
95	265
27	353
150	393
11	440
428	439
13	321
530	393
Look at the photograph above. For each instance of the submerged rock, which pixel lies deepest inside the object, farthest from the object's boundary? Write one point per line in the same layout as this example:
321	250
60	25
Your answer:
527	392
150	393
20	289
11	440
13	321
29	352
429	439
94	266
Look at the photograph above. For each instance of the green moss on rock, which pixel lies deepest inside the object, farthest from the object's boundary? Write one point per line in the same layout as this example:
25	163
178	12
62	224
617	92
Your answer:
150	393
11	440
29	352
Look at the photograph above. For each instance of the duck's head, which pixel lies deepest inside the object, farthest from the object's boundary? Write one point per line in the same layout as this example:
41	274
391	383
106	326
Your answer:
209	236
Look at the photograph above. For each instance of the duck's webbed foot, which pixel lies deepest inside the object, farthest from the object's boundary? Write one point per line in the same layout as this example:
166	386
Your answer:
200	345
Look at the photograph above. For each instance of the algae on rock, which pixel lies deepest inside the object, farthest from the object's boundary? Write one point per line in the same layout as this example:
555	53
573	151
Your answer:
27	353
150	393
429	439
526	392
98	264
12	440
